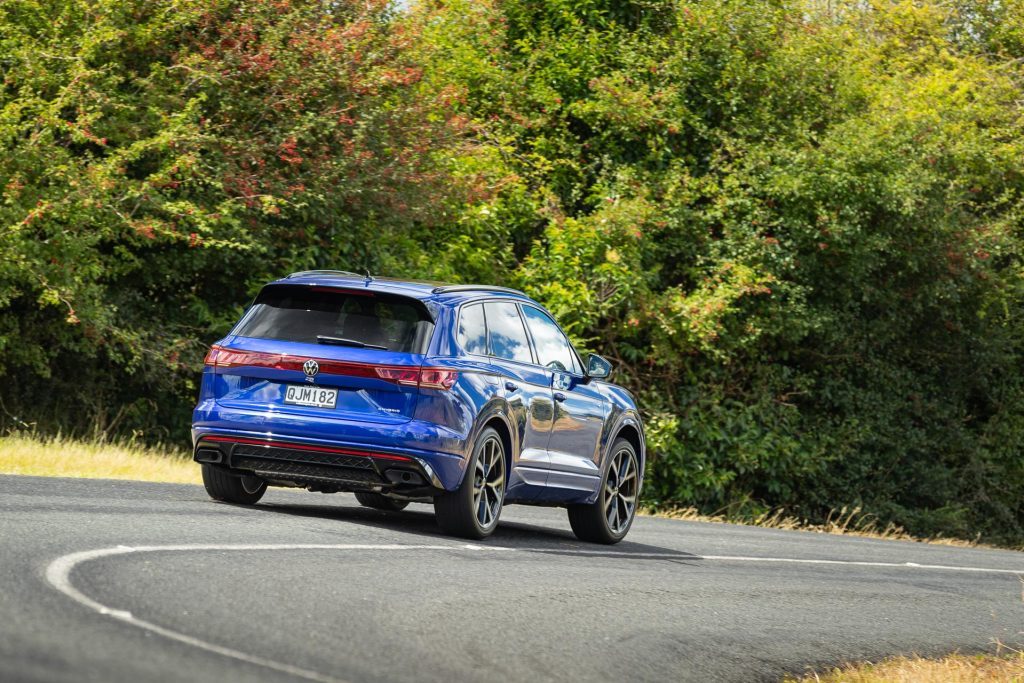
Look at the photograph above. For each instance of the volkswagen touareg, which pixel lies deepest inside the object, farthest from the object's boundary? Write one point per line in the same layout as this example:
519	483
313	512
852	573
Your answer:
470	397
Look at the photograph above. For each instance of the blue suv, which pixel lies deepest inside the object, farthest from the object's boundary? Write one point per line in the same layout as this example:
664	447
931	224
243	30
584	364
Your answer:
467	396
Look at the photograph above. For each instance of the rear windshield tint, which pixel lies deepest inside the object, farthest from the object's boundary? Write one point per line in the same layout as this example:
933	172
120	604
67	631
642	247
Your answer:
323	315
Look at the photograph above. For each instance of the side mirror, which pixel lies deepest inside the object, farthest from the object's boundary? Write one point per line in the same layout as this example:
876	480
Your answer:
598	367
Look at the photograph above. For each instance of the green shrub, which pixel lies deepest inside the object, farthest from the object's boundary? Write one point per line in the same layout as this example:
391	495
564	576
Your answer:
795	229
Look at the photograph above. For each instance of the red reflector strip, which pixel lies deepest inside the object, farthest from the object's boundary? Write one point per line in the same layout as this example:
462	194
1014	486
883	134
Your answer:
303	447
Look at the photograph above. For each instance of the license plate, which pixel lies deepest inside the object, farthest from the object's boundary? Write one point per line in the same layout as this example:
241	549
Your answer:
314	397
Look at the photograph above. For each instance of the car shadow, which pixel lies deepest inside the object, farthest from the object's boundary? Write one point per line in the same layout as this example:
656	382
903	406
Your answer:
522	536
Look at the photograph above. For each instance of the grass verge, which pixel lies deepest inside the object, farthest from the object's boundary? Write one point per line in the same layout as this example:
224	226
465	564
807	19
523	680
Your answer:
952	669
62	457
844	521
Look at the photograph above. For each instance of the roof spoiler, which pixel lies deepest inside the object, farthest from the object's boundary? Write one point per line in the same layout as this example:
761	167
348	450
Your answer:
347	273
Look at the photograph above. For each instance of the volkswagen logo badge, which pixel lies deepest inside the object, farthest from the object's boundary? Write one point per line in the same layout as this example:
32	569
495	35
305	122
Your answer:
310	367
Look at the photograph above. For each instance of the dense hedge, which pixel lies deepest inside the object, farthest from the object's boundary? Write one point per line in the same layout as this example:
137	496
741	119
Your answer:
796	227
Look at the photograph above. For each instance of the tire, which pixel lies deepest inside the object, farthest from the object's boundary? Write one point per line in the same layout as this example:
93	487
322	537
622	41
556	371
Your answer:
472	510
377	501
600	522
222	486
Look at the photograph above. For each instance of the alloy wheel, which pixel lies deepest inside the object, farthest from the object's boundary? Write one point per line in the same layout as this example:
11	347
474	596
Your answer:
489	483
620	491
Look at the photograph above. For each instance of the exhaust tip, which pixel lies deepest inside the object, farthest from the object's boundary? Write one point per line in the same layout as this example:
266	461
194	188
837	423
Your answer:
396	476
211	456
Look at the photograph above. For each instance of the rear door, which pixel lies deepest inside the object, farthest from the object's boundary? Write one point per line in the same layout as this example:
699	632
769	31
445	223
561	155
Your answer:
526	387
325	352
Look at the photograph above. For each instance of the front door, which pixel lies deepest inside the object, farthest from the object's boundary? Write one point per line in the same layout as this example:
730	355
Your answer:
579	408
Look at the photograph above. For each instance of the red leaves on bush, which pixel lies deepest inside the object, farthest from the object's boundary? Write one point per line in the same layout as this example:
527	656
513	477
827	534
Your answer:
288	152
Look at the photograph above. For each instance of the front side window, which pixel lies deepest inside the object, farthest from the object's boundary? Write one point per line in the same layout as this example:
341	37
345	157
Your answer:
553	349
472	332
325	315
506	332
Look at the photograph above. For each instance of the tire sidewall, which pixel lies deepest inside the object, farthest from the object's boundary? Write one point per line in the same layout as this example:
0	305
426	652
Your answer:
229	488
252	485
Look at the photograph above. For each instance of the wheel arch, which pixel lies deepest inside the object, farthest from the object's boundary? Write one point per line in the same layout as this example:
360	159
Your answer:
498	418
498	423
629	427
631	433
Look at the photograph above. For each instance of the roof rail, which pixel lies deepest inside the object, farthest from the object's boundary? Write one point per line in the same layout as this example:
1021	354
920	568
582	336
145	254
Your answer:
444	289
325	272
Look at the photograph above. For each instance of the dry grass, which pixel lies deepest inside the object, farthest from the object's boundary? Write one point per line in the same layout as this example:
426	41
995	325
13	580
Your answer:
952	669
845	521
61	457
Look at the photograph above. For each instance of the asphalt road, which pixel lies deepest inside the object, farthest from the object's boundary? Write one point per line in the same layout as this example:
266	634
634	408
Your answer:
123	581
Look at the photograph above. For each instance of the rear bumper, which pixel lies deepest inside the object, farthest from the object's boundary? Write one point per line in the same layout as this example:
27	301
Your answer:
329	465
434	446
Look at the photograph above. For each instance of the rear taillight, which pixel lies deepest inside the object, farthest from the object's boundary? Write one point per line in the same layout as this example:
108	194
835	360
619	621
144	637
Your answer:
410	376
437	378
211	356
225	358
428	378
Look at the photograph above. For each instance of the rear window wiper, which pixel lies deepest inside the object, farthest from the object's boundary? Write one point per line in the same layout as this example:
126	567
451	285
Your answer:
341	341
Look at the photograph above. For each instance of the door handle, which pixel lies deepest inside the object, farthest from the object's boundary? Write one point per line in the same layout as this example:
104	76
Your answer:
559	396
511	386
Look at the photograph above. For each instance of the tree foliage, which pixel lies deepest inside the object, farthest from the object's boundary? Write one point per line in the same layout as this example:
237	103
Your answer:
162	160
795	227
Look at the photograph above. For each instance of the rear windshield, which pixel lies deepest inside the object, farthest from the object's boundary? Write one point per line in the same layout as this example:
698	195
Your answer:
338	317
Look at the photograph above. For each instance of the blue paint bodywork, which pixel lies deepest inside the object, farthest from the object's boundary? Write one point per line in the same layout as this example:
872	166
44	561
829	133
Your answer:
557	449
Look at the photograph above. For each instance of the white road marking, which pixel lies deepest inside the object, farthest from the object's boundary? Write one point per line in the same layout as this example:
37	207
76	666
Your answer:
861	563
58	574
791	560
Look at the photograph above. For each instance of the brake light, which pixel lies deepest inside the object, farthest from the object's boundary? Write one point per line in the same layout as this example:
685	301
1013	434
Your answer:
401	375
225	358
429	378
437	378
220	357
211	356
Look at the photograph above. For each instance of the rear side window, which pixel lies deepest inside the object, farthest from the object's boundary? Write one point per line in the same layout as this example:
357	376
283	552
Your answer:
507	335
553	348
472	331
334	316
